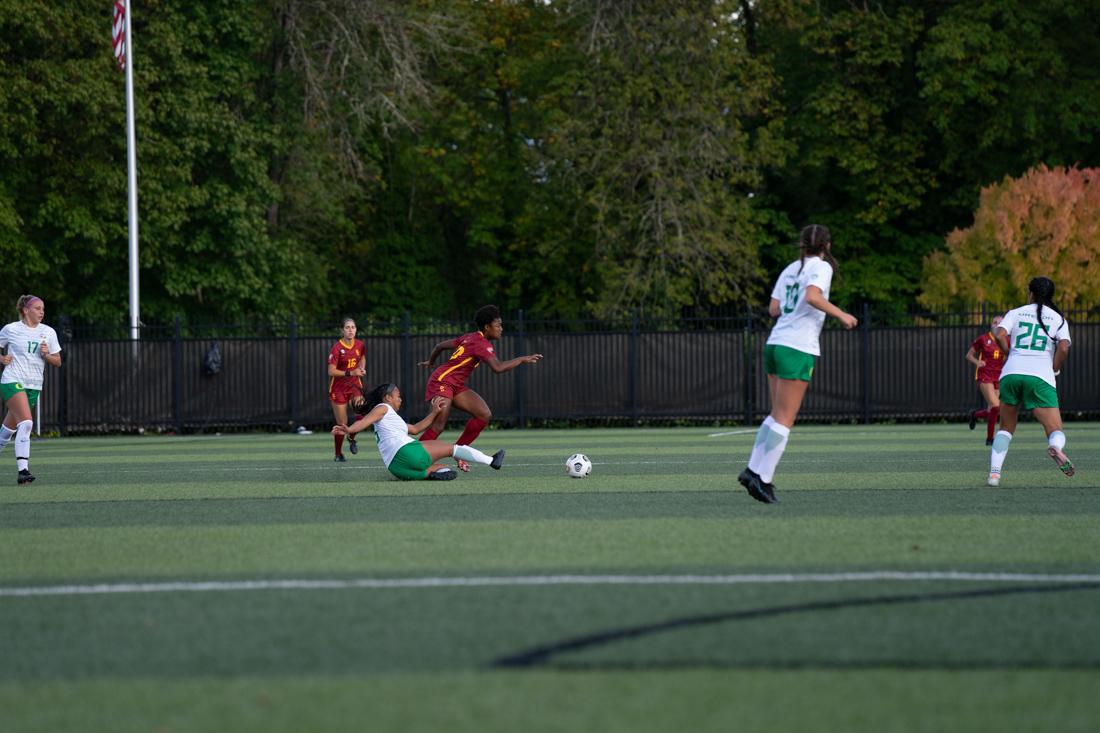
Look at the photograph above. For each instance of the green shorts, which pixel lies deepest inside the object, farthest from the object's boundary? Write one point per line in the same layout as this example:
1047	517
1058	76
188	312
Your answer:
787	363
10	389
1027	391
411	462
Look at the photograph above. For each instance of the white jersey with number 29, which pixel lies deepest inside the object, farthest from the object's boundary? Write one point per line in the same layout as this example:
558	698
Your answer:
24	345
1030	345
799	324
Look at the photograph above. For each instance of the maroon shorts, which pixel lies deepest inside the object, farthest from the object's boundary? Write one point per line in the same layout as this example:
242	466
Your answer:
994	379
343	390
443	389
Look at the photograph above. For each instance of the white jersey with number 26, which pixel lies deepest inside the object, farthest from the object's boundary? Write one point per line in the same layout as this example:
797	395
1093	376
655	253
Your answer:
799	324
1030	346
24	345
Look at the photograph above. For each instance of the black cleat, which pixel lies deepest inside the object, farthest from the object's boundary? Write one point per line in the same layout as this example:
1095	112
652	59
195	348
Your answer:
989	441
353	446
752	483
498	460
340	458
25	477
442	474
769	489
973	419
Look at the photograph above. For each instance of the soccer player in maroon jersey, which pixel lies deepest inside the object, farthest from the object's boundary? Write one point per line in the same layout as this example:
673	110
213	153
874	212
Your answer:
988	358
345	371
449	379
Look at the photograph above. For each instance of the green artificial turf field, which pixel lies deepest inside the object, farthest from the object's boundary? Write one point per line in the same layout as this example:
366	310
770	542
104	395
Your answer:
248	583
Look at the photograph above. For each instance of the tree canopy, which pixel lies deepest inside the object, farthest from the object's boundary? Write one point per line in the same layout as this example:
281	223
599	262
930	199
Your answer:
572	158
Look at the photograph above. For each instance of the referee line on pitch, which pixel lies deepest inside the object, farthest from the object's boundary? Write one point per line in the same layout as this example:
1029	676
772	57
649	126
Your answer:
497	581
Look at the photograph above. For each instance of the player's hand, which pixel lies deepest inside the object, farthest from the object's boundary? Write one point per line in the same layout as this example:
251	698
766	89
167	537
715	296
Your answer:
6	359
981	363
44	349
340	430
359	371
531	358
425	364
437	404
848	320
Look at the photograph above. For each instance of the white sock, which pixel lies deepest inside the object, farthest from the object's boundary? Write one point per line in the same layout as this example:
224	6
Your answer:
756	458
5	436
23	444
469	453
1057	439
771	441
1000	448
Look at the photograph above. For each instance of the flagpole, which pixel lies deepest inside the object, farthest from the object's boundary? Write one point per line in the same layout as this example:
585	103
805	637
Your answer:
131	164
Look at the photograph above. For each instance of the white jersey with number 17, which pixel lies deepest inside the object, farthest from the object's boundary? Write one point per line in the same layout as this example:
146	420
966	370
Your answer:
1031	345
24	345
799	324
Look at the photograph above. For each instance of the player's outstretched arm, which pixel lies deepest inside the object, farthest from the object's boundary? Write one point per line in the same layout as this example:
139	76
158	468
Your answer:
362	423
448	345
500	367
816	298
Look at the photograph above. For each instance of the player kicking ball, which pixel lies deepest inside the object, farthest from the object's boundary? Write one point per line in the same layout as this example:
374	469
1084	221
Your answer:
406	458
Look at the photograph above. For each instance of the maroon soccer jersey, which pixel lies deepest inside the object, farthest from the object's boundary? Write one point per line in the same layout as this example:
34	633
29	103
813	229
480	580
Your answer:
988	350
470	350
346	357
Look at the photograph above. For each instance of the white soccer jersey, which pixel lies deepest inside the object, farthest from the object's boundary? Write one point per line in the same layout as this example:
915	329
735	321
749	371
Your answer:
24	344
392	434
1030	348
799	324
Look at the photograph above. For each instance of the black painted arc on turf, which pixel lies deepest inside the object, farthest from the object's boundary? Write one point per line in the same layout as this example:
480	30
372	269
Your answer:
542	655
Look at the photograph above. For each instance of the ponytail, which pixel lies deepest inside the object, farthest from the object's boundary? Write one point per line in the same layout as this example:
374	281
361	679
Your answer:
1042	291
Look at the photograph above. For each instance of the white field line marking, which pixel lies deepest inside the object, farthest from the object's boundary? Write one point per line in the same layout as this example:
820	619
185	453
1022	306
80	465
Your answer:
538	580
732	432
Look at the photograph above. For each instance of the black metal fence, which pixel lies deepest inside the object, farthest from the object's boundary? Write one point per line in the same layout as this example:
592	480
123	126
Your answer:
632	372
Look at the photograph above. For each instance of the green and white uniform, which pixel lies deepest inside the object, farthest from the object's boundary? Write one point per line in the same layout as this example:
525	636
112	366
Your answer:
794	341
24	345
1027	378
403	455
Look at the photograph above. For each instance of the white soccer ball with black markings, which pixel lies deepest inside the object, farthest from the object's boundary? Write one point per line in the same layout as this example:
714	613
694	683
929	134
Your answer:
578	465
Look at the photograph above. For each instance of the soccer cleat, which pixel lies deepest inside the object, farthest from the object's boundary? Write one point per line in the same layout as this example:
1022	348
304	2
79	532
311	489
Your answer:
989	441
498	459
994	479
25	477
973	419
442	474
462	465
1062	460
769	489
353	446
339	458
752	483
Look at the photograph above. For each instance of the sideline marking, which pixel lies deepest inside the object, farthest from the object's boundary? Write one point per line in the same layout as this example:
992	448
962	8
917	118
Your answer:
535	580
732	432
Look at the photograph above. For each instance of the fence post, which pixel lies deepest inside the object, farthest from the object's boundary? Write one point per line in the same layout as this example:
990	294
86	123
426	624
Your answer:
177	375
62	382
748	354
292	372
406	356
865	348
521	348
633	356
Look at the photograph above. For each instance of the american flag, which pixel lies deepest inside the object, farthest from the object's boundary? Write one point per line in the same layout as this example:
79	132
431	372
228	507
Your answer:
118	34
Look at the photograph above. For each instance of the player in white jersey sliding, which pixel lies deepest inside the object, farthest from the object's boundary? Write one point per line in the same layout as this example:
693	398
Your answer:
30	344
800	301
1036	339
406	458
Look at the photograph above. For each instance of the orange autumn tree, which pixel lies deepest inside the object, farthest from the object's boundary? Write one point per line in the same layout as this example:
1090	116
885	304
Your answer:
1046	222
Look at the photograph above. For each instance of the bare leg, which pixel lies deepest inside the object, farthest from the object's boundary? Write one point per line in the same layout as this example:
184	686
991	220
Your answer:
787	399
989	393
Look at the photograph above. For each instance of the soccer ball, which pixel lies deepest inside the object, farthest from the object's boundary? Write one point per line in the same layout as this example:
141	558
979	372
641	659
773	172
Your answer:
578	465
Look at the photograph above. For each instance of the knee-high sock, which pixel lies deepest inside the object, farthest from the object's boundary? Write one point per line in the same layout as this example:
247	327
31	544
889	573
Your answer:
757	454
772	440
1057	439
991	422
338	438
430	434
1000	449
474	426
23	444
469	453
981	413
5	436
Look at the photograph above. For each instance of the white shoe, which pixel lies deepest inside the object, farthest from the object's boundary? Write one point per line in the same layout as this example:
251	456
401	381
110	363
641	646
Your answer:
994	479
303	430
